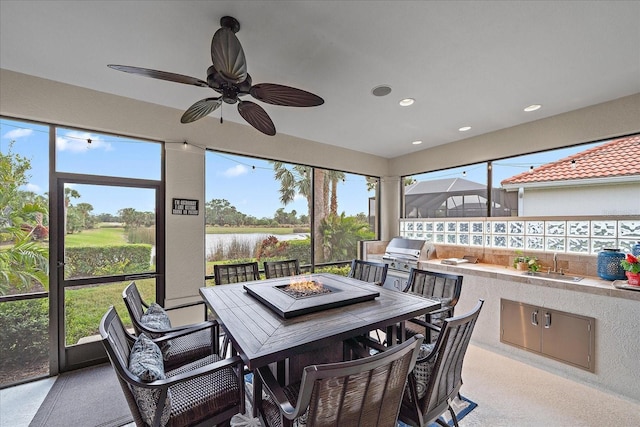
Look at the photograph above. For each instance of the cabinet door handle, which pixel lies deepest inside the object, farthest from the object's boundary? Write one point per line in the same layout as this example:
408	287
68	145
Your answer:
534	318
547	320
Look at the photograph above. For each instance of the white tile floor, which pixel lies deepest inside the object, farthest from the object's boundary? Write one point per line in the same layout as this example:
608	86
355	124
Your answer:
508	393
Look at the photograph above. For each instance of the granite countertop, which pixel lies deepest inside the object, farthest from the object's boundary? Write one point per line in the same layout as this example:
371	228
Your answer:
591	285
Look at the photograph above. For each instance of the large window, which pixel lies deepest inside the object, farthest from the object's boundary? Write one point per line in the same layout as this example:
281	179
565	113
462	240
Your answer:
261	210
590	179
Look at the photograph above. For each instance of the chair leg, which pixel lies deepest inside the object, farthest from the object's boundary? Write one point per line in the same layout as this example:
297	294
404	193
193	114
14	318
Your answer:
453	416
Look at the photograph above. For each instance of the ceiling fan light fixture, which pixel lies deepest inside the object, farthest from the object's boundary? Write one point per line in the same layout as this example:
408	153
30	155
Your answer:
532	107
229	78
406	102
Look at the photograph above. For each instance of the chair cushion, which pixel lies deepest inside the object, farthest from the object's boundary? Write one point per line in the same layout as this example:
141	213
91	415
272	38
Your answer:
201	398
187	348
271	410
146	362
423	369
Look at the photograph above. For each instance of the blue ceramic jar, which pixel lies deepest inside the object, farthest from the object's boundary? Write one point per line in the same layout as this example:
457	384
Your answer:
635	249
609	267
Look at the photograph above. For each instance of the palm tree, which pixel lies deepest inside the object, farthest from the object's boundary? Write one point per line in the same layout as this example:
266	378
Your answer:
68	194
22	261
296	180
333	178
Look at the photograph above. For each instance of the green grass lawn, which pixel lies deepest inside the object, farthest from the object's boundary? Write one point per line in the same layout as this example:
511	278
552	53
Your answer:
96	237
85	306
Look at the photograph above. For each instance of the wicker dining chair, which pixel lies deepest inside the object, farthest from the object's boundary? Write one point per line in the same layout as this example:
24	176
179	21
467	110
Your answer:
234	273
437	377
442	287
289	267
205	392
369	271
205	338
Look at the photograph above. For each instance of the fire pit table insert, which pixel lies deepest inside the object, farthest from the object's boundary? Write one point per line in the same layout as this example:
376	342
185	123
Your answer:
298	295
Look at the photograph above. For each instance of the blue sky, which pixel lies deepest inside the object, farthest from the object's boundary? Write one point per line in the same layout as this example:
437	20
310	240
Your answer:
247	183
226	173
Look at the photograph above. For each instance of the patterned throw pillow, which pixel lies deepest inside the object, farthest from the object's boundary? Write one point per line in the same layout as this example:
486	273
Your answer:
146	362
423	370
157	318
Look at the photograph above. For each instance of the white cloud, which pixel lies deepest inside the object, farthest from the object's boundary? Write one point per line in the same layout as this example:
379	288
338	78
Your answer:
32	187
18	133
237	170
77	142
299	197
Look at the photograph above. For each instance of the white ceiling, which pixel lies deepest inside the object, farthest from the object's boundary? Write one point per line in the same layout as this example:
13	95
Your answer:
465	63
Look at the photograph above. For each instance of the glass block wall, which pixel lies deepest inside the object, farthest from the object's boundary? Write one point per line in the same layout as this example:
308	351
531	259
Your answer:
575	236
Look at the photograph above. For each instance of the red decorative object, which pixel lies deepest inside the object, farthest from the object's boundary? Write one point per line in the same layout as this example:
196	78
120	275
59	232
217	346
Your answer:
633	278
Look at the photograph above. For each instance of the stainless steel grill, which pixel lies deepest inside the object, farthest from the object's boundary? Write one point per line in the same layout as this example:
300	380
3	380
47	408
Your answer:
401	255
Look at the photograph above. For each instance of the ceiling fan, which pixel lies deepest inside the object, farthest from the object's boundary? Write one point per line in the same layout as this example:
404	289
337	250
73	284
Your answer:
228	76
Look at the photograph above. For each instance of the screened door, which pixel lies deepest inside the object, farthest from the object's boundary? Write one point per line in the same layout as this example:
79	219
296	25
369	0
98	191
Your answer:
99	253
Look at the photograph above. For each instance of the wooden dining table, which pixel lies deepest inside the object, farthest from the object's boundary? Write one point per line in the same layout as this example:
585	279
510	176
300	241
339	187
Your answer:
262	336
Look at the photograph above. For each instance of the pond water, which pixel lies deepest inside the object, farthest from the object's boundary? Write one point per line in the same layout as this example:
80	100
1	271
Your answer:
213	241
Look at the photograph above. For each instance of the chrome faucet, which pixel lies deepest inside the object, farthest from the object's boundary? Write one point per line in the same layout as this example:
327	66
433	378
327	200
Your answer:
555	262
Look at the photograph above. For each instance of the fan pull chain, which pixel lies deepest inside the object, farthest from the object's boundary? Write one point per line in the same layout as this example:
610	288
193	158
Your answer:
221	114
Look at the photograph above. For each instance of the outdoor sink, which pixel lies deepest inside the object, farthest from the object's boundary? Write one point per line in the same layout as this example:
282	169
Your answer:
553	275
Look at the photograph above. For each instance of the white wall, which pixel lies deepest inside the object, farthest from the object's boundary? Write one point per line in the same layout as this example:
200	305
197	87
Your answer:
185	234
618	199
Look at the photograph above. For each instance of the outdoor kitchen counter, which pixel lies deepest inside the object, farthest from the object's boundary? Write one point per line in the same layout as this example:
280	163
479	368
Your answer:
616	345
589	285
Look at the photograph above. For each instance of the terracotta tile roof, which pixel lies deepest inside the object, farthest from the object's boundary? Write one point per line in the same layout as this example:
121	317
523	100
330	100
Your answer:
619	157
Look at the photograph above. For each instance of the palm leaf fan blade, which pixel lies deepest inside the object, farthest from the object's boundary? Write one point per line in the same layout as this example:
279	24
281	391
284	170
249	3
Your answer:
162	75
200	109
256	117
228	57
287	96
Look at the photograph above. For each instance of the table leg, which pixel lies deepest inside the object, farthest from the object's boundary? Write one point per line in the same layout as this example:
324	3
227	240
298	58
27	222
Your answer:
257	394
392	335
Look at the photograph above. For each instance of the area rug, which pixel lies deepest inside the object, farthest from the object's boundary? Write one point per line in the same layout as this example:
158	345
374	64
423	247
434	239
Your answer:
89	397
461	406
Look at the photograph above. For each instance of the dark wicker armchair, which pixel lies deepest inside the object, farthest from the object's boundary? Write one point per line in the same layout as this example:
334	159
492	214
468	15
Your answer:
289	267
369	271
363	392
437	376
205	337
205	392
234	273
442	287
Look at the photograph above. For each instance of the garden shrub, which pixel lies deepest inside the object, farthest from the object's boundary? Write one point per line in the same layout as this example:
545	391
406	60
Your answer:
300	250
104	260
339	270
25	337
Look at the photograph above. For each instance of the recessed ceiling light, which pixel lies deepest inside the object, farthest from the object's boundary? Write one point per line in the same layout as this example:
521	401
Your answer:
464	128
382	90
532	107
417	142
407	101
